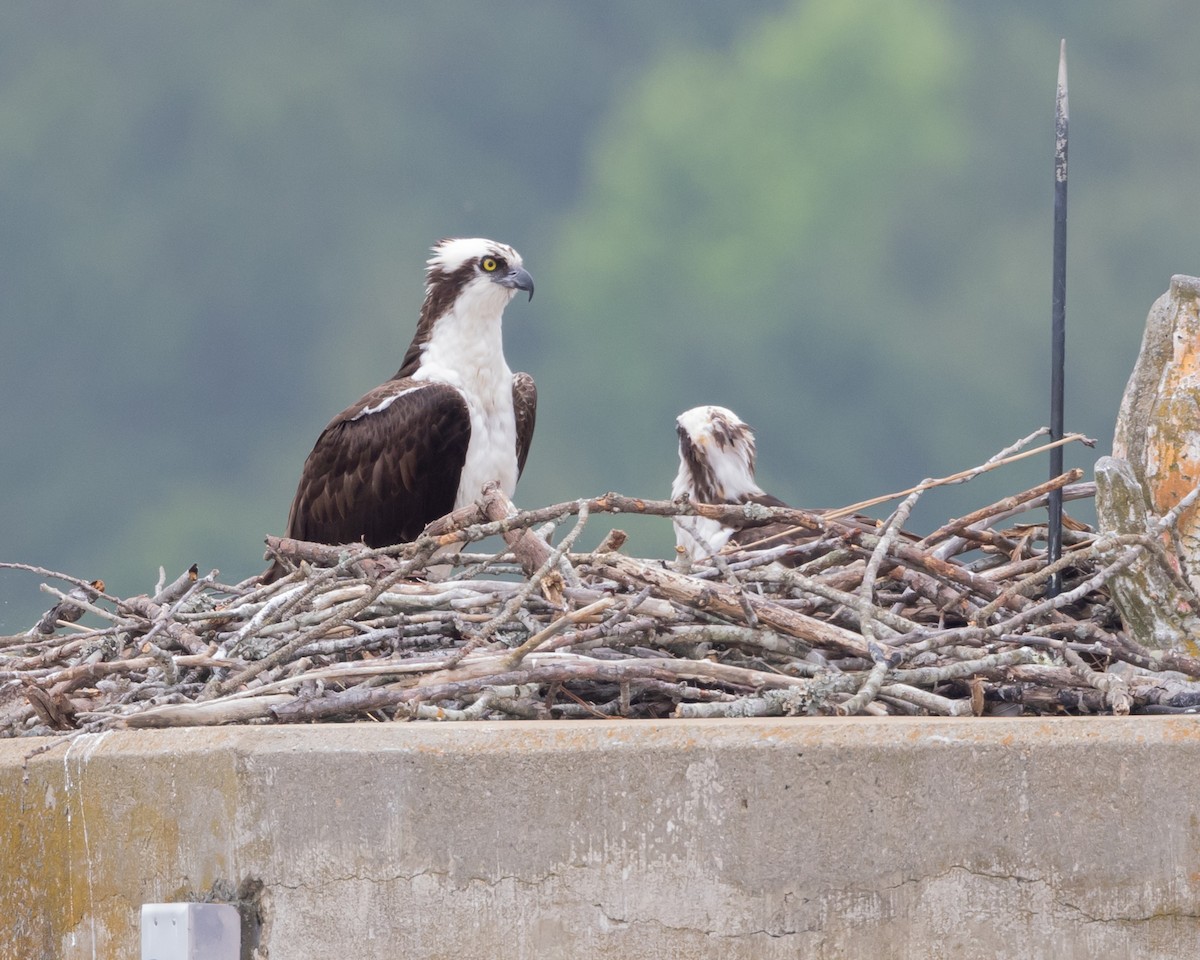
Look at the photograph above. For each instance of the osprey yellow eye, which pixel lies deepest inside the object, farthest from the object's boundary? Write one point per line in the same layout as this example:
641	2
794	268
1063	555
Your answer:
489	264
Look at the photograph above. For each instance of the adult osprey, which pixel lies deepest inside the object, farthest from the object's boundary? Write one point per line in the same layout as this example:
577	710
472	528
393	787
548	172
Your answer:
716	465
452	418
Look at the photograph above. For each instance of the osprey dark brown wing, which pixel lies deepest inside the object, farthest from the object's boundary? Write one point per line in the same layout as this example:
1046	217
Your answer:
525	412
385	467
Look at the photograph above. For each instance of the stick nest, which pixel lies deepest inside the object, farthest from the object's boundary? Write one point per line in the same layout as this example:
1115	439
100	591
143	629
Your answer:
839	616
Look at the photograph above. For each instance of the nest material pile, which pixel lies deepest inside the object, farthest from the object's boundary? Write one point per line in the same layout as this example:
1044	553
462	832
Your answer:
843	616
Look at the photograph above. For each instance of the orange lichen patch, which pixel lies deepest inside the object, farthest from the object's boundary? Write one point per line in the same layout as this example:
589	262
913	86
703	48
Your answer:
1186	730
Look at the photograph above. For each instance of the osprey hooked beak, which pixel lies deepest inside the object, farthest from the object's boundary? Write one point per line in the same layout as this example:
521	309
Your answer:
517	278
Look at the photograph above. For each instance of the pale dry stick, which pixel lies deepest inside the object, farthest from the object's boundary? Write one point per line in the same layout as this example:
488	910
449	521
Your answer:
978	534
242	612
930	676
1002	458
614	627
85	604
934	703
516	655
722	600
505	565
518	599
258	595
841	557
945	598
1017	568
351	672
618	503
868	691
259	643
88	671
811	696
284	652
399	597
1010	506
771	703
12	677
1114	688
602	634
652	606
55	575
472	569
48	648
953	537
518	520
1067	598
431	596
427	711
752	558
343	556
317	583
538	668
189	588
793	581
271	610
166	662
722	569
1147	542
181	585
930	639
198	714
1022	588
416	554
513	699
866	589
993	463
1102	545
561	667
311	585
150	613
404	609
731	635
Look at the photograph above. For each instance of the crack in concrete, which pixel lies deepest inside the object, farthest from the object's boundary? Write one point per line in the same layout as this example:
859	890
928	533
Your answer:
1127	920
1056	900
444	875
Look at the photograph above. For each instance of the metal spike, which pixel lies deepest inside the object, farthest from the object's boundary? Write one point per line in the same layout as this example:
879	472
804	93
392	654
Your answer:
1058	315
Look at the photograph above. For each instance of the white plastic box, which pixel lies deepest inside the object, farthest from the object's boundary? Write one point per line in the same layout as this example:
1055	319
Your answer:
190	931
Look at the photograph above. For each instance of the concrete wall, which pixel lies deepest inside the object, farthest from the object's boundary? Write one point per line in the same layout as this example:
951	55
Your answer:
725	839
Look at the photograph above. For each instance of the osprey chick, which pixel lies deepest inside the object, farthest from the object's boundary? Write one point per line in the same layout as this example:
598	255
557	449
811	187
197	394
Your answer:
453	418
716	465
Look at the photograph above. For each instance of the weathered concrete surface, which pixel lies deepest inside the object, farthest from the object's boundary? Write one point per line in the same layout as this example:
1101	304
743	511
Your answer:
726	839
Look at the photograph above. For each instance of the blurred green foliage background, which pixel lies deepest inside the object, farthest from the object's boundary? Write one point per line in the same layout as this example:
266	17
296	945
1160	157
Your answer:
833	216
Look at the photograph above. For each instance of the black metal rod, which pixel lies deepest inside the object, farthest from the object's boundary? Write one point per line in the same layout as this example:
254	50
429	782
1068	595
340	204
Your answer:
1058	314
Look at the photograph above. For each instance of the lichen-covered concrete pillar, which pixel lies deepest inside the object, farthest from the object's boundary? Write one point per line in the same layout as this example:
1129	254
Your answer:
1158	427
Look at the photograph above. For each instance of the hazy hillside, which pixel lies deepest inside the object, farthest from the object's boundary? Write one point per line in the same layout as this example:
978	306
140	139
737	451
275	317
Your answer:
830	215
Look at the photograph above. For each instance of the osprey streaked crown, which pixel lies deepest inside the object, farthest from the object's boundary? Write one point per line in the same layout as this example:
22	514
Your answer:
453	418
